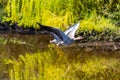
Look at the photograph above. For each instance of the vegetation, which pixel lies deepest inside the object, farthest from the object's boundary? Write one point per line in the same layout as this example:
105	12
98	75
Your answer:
54	64
96	16
2	6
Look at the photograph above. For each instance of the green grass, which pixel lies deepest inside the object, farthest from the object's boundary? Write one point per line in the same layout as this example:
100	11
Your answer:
54	64
57	13
97	17
2	12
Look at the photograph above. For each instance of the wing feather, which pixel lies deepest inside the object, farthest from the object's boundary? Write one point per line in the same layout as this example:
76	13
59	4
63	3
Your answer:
71	31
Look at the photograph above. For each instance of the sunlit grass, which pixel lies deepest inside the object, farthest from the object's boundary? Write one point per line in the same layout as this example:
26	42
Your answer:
59	13
44	11
97	23
55	65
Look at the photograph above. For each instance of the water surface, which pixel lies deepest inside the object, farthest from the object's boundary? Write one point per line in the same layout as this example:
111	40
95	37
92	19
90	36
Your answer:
13	45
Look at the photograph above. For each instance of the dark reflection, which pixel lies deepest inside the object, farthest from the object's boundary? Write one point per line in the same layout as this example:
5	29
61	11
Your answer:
15	44
21	44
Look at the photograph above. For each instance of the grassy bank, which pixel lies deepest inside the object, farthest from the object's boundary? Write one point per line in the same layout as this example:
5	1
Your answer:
96	16
61	13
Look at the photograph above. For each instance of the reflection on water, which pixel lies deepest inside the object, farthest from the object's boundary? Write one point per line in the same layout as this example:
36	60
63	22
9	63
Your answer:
20	44
15	45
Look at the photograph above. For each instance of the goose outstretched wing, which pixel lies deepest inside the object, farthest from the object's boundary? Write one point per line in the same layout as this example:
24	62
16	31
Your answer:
55	32
71	31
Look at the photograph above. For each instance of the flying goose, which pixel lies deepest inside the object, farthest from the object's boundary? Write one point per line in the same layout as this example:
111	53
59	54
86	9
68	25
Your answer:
62	38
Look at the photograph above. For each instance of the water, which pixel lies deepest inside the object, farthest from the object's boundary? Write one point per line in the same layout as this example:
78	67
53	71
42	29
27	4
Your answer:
13	45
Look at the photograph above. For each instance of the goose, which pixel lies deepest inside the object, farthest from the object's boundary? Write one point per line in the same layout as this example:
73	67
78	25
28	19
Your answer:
62	38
